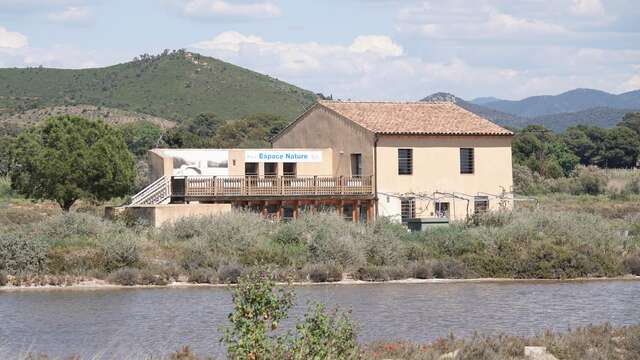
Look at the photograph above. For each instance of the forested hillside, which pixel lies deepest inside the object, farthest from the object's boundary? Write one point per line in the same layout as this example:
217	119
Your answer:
174	85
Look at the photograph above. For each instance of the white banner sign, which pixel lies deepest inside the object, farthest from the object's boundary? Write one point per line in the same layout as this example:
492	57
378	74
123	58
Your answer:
295	156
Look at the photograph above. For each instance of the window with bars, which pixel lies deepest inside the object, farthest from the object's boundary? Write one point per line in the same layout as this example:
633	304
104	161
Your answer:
466	161
405	161
480	204
407	209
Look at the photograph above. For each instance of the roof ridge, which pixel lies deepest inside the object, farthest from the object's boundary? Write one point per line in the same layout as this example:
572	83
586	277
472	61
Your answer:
418	102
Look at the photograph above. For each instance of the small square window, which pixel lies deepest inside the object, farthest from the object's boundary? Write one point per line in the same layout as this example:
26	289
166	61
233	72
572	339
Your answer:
289	169
480	204
466	161
251	169
405	161
270	169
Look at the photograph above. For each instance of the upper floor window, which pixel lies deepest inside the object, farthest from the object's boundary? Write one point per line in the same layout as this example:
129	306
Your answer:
270	169
356	164
466	161
289	169
405	161
251	169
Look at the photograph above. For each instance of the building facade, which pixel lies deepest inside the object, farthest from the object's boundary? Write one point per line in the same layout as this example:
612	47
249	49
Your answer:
406	161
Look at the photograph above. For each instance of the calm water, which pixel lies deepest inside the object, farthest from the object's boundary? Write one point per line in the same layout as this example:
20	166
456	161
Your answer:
133	322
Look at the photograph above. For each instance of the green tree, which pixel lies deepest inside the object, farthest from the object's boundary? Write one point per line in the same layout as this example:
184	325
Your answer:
141	136
543	152
631	121
69	158
251	131
621	148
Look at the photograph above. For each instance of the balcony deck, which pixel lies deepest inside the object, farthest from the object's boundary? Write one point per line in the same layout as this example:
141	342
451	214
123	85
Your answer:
221	188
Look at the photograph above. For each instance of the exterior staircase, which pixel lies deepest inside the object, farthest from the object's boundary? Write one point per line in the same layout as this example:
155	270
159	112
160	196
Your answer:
158	192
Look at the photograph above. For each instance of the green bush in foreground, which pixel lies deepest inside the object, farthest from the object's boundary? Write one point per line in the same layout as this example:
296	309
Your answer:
22	255
259	308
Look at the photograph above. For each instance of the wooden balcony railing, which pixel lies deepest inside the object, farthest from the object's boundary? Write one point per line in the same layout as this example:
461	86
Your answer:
279	186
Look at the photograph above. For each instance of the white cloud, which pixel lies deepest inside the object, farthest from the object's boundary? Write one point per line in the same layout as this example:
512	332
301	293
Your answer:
376	44
376	67
633	83
472	21
228	9
12	40
72	15
587	8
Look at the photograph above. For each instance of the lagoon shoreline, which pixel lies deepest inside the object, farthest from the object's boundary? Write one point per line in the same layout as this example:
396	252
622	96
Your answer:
99	284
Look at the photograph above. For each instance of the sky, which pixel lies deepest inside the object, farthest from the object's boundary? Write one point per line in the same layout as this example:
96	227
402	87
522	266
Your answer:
352	49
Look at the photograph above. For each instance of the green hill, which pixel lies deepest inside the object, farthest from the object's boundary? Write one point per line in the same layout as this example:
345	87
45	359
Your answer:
175	85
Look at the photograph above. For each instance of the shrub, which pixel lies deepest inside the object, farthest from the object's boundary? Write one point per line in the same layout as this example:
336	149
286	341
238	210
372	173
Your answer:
258	310
4	278
124	276
323	335
22	254
372	273
632	264
323	273
119	251
448	269
421	270
203	276
229	274
146	277
592	180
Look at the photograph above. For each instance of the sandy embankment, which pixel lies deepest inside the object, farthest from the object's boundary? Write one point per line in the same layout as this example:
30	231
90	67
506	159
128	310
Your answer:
95	284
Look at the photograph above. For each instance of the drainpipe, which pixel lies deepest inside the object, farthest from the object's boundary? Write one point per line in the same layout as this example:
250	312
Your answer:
375	172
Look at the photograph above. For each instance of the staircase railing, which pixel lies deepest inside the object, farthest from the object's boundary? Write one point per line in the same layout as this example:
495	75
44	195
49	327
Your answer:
154	193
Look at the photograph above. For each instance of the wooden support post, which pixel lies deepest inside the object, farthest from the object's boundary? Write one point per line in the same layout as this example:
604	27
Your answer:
356	211
296	209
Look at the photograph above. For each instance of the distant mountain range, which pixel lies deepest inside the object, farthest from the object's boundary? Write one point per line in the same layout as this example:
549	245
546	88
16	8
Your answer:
556	112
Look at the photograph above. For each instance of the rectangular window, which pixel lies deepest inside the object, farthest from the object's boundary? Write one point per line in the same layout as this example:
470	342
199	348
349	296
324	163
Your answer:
356	164
270	169
289	169
442	210
466	161
407	209
287	213
480	204
347	212
405	161
251	169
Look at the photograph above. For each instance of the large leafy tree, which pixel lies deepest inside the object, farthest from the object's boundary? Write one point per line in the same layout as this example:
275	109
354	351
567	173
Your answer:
543	152
141	136
69	158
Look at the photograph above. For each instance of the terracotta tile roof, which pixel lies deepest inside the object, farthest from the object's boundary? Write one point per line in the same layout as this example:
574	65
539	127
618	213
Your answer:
419	118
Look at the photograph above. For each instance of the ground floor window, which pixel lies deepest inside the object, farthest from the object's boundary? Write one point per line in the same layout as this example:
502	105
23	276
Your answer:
442	210
480	204
363	214
347	212
407	209
287	213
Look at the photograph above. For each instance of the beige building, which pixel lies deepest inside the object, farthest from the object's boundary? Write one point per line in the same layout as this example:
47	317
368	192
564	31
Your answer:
413	162
428	160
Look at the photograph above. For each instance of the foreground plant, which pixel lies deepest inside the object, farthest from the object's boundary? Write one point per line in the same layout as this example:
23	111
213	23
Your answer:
259	308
